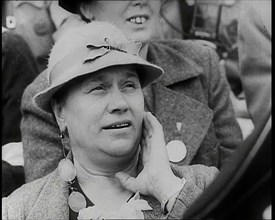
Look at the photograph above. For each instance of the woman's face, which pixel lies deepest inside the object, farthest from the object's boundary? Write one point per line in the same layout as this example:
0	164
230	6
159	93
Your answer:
138	19
103	114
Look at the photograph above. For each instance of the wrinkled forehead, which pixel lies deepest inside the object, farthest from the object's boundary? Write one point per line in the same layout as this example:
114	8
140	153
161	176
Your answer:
126	71
119	72
106	75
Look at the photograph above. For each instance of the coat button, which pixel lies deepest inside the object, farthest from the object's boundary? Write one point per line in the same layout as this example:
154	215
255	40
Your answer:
176	151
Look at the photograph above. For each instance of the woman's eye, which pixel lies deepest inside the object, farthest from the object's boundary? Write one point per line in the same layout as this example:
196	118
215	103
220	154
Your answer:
95	89
130	85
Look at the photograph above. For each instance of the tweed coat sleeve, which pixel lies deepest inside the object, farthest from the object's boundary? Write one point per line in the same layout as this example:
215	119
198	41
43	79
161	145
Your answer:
198	178
41	143
226	126
44	198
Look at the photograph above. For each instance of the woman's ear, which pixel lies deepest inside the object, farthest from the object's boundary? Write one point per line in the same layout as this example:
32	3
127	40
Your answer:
85	10
59	114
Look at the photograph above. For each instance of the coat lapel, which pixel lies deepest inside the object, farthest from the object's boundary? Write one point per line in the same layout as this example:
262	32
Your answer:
52	201
169	59
192	116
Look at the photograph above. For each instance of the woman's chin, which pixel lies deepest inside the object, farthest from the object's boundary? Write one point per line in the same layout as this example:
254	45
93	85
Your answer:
122	148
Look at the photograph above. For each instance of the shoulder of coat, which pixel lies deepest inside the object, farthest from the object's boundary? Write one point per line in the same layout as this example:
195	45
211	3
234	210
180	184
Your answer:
4	29
206	43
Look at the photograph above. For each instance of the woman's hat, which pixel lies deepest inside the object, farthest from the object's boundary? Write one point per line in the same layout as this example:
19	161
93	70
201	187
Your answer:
90	48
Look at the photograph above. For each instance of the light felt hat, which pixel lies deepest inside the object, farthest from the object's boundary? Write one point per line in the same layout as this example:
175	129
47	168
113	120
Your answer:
87	49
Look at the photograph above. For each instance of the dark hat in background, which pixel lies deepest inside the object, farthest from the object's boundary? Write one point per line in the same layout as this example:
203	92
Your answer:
71	5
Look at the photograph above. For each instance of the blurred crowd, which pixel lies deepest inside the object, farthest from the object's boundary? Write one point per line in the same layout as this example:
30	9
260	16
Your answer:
30	28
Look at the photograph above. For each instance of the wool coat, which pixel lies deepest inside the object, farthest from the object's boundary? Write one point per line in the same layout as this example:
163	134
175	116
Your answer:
192	93
255	43
47	197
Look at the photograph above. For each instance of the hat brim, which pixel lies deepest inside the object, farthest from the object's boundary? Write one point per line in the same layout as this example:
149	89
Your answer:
147	73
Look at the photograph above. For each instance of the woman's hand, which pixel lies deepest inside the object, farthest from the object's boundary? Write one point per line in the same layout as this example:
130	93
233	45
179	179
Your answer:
156	178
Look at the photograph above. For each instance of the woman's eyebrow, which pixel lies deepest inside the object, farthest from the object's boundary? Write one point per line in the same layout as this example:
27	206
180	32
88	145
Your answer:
96	77
131	74
101	77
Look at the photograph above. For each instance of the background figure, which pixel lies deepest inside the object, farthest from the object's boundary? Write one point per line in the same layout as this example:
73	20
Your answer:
18	70
255	56
176	18
33	23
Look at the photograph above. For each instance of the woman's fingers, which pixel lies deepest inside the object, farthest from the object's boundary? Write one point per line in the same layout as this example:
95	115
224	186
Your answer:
146	136
152	124
142	142
128	182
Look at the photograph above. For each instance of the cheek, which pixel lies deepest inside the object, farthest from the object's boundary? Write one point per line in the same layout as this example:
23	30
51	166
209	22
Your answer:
156	7
138	106
107	11
80	113
83	125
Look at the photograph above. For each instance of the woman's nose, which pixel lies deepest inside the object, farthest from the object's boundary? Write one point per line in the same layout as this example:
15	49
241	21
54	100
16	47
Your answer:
117	102
139	2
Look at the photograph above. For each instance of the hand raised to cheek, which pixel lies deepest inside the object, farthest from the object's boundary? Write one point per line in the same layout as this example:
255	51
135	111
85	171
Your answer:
156	178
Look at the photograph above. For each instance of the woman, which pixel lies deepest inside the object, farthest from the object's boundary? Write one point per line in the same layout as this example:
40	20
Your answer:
191	100
95	94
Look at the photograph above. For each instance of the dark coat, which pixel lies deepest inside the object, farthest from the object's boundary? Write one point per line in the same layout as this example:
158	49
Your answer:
19	69
193	91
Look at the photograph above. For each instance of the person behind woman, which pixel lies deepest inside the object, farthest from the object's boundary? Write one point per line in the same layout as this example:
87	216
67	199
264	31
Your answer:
117	150
255	42
191	100
19	69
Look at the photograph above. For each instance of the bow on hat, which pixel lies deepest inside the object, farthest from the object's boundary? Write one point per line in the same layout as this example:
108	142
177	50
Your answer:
98	50
95	50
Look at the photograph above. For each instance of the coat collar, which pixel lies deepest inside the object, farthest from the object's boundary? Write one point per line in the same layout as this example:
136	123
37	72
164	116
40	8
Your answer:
158	54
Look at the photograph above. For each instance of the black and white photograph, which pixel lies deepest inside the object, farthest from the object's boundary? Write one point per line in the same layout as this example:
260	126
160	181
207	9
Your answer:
136	109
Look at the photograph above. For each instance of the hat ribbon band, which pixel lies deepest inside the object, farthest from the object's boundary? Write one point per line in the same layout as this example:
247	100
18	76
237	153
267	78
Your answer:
93	52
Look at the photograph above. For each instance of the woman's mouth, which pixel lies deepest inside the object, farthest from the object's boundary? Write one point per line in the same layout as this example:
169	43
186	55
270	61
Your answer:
141	19
118	125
